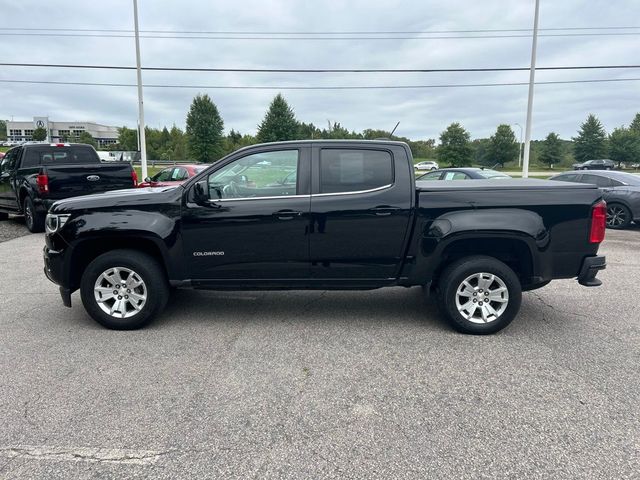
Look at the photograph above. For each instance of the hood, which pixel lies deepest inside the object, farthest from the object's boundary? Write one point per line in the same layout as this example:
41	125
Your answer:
130	197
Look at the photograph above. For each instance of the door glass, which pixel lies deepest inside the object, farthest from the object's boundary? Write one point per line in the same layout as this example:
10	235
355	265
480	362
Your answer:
178	174
163	175
602	182
264	174
431	176
455	176
346	170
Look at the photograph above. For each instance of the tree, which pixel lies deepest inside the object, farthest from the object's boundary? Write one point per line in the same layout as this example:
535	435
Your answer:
591	142
503	146
481	155
635	124
85	137
204	130
128	139
454	148
551	150
39	134
3	130
178	144
279	123
624	145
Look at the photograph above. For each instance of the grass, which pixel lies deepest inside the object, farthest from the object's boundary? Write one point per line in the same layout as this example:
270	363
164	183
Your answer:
151	171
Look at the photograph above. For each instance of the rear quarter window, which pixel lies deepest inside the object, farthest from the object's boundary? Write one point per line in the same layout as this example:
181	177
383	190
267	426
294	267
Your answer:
352	170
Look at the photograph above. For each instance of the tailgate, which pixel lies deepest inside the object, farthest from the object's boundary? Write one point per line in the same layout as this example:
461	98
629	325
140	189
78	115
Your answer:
74	180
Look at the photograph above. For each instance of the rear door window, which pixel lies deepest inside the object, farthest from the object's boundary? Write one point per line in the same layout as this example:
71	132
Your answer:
602	182
571	177
353	170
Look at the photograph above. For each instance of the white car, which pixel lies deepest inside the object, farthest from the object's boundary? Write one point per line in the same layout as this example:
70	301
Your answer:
426	166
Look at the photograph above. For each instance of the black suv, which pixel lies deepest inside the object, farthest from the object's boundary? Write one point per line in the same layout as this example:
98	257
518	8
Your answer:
602	164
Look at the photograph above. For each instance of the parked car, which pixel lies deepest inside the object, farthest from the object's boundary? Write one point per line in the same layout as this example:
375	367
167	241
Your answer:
464	174
602	164
1	156
621	191
172	176
34	176
356	219
428	165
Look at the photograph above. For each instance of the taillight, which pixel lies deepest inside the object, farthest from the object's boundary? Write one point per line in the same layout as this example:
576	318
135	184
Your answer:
598	222
42	182
134	177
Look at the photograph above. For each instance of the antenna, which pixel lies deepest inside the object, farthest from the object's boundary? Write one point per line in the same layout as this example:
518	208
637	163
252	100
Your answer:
394	129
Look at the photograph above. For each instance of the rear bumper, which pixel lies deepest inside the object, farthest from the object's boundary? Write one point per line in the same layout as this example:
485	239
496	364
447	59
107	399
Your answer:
590	268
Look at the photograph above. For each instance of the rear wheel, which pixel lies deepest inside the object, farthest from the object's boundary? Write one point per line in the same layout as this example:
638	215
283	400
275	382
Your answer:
124	289
479	295
32	219
618	216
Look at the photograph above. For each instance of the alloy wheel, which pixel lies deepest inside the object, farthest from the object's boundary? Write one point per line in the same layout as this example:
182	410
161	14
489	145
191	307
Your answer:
120	292
616	216
482	297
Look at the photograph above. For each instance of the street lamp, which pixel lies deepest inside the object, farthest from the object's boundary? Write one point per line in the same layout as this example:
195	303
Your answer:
520	146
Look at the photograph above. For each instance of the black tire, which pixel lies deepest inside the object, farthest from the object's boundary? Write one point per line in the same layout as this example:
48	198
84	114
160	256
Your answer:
618	216
146	268
4	216
452	278
32	219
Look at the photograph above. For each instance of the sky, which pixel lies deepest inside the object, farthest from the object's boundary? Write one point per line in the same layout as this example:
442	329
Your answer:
422	113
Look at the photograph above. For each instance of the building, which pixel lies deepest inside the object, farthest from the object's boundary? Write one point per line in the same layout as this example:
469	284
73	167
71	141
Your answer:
61	131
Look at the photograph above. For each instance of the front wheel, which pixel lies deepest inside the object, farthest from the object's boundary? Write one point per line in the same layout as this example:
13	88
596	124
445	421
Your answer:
479	295
124	289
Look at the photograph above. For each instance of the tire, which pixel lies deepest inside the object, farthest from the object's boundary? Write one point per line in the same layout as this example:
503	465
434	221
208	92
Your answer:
132	267
32	219
618	216
472	270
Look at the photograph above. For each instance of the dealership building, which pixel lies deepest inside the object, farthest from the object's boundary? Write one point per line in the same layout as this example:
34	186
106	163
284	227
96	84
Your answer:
57	131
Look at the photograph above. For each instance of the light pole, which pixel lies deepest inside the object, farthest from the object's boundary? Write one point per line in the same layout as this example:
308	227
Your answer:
532	75
519	146
141	133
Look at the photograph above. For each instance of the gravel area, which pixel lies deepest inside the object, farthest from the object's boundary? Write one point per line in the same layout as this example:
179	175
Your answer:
12	228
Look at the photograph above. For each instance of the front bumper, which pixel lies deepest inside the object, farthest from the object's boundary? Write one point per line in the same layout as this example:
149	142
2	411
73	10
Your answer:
590	268
53	269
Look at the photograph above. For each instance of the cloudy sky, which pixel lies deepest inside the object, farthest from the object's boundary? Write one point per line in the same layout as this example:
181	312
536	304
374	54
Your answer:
423	113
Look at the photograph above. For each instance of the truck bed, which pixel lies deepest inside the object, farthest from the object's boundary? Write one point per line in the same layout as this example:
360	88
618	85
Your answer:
513	184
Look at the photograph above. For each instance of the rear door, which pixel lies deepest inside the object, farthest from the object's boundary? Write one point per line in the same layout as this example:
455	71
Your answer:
360	210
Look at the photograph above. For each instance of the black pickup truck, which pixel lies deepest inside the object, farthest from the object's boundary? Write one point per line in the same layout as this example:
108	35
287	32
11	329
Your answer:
325	215
34	176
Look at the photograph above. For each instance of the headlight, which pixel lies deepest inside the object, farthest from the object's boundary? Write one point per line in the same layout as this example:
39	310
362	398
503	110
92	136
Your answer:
54	223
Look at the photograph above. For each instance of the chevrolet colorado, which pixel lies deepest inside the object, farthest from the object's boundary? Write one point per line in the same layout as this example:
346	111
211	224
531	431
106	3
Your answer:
33	176
325	215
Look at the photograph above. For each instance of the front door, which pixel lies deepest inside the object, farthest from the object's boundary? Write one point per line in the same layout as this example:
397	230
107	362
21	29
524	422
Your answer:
256	226
7	172
360	208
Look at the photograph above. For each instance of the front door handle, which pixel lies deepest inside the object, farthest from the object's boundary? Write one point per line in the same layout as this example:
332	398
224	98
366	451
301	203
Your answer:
286	214
384	210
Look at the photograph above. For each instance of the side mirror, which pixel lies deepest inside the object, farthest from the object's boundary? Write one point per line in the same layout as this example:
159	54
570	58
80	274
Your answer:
201	192
147	179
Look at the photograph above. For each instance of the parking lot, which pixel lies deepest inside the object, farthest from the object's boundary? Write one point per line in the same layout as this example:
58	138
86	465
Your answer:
320	384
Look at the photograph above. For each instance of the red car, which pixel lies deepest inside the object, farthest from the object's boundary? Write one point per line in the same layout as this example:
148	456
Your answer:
171	176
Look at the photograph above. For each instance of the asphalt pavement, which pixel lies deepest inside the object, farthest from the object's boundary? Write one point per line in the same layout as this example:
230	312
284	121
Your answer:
321	384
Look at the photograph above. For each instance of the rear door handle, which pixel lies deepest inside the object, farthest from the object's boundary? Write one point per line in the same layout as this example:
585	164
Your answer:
286	214
384	210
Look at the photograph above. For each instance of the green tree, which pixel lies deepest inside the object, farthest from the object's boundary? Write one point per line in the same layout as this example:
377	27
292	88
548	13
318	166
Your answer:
591	142
635	124
39	134
503	146
128	139
551	150
85	137
481	156
3	130
624	145
279	123
454	148
178	144
204	130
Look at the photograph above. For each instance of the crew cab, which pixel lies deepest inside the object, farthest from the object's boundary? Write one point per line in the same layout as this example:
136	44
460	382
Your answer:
327	215
34	176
